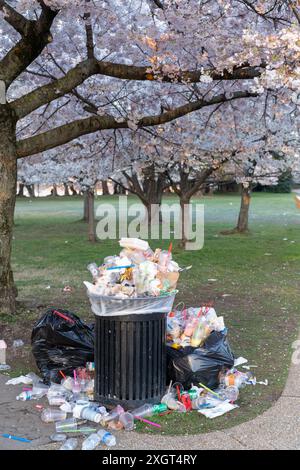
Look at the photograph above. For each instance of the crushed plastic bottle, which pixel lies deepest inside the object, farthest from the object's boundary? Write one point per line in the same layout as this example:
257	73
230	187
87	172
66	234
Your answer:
70	444
91	442
35	394
107	438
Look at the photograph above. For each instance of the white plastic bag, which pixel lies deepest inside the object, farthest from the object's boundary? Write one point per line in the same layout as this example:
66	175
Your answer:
109	306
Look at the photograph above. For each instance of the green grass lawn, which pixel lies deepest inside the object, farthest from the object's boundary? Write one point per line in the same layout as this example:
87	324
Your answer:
256	287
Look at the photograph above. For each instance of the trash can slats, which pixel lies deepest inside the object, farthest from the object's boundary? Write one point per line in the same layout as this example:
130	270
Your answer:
130	365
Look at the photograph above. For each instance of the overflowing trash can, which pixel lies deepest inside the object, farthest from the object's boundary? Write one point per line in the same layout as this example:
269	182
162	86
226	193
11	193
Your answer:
130	354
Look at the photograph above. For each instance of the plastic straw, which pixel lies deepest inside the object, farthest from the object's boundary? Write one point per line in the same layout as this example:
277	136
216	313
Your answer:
75	377
15	438
209	390
170	248
63	316
62	374
148	422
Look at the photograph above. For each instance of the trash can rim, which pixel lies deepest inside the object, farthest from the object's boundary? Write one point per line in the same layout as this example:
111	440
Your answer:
112	297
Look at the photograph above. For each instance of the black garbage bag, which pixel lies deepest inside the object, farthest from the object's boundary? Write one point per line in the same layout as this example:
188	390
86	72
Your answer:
61	341
193	365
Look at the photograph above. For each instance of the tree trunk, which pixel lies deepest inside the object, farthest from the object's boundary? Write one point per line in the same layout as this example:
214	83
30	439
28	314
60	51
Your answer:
184	220
242	225
66	190
153	201
73	190
119	189
91	216
30	189
85	206
105	191
21	190
243	220
8	186
54	191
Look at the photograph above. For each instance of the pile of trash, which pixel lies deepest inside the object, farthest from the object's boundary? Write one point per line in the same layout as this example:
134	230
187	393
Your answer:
197	347
72	411
192	326
137	272
203	377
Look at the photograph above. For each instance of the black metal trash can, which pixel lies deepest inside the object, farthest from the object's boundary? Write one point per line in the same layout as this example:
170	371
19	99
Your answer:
130	359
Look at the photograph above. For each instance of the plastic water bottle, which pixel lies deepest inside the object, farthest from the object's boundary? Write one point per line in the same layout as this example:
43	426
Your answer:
70	444
91	442
198	335
198	402
107	438
190	326
24	396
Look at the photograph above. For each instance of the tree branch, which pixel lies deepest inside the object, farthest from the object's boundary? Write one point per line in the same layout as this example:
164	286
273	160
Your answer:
89	33
14	18
295	10
199	182
76	76
119	184
35	36
158	4
67	132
